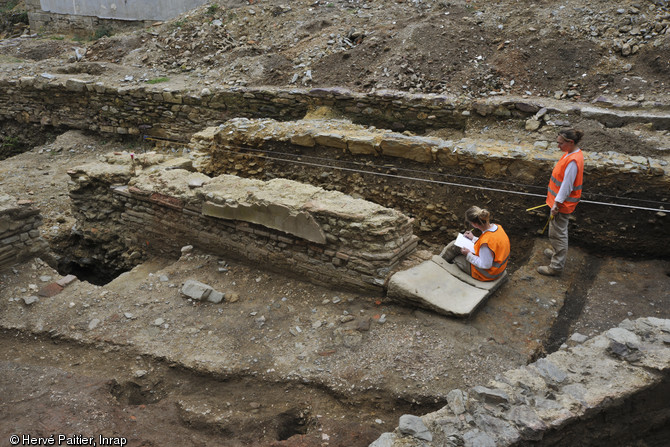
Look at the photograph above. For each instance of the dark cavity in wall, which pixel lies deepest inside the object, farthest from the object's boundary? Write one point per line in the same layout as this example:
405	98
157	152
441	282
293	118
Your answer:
17	138
88	269
97	262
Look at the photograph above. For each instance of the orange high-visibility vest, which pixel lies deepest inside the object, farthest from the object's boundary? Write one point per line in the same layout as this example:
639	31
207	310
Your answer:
570	203
498	243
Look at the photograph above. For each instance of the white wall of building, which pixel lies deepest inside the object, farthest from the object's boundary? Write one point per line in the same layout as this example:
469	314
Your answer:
122	9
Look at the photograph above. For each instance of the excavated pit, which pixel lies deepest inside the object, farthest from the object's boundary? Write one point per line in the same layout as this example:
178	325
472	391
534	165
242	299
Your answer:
90	260
286	363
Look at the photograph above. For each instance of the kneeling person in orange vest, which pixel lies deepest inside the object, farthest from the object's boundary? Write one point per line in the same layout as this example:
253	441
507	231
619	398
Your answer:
489	259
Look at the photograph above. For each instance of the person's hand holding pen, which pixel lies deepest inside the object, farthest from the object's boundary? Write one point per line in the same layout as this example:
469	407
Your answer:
468	234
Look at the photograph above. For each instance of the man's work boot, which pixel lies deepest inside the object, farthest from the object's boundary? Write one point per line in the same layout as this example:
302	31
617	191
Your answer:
548	271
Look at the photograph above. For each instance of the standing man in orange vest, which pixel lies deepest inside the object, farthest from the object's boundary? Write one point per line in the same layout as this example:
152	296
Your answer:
564	192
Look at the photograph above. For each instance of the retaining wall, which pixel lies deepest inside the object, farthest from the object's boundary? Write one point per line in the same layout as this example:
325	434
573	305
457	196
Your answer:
610	391
19	231
162	111
323	236
253	147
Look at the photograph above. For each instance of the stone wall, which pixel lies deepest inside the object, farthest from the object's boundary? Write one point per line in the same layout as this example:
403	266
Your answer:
252	147
80	26
83	102
19	231
609	391
323	236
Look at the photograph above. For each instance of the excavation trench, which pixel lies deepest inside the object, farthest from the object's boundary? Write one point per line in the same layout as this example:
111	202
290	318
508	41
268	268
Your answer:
290	359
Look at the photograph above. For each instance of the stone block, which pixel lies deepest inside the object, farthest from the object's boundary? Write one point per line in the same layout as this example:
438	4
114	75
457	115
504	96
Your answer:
196	290
10	240
331	140
216	297
414	426
362	145
66	280
273	216
442	287
411	148
75	85
29	300
4	224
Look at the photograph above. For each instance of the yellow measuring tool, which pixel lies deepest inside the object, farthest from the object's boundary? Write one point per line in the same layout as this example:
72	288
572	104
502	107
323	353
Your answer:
536	207
545	225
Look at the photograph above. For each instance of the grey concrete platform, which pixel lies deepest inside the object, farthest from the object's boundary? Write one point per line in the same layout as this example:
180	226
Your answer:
442	287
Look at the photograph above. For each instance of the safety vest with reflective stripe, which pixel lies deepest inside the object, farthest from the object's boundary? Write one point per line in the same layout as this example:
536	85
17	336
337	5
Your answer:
556	180
498	243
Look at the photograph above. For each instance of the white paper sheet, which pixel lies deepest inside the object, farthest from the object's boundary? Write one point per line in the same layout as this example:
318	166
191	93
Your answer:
464	242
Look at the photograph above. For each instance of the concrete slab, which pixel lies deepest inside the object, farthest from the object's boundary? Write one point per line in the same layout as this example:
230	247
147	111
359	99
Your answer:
442	287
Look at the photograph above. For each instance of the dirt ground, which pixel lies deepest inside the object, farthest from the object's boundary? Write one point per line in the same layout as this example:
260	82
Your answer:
240	373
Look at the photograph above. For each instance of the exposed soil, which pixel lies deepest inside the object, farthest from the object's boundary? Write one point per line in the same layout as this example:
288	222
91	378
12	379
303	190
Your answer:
470	47
223	375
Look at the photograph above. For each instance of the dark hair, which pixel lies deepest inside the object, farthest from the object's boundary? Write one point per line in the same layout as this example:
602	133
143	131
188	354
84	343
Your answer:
571	134
477	215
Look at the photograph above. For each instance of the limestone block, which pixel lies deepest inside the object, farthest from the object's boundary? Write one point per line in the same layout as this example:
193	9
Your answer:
442	287
413	426
4	224
527	107
216	297
532	124
66	280
335	140
483	109
272	216
196	290
29	300
303	140
362	145
27	81
75	85
411	148
172	98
